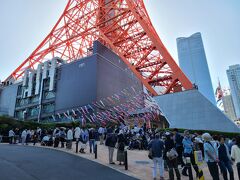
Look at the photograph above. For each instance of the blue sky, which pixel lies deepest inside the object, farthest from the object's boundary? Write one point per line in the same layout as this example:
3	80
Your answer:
25	23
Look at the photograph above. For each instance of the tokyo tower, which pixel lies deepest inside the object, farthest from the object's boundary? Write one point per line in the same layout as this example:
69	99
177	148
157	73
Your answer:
122	25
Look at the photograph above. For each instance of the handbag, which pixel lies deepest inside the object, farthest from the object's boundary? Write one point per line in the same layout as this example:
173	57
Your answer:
150	154
172	154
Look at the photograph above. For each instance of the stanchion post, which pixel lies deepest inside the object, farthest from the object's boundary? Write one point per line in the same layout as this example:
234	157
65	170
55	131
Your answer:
76	145
188	164
125	160
95	151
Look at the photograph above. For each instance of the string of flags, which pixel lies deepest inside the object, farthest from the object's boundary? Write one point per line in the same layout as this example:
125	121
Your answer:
114	108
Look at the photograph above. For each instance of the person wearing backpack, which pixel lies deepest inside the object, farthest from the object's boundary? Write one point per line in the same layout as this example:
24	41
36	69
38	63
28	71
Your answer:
178	138
235	154
211	156
157	147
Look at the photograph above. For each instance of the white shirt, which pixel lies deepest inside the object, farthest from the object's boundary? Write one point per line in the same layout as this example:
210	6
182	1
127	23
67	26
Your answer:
77	132
32	132
24	134
70	135
29	132
39	131
101	130
235	153
45	138
11	133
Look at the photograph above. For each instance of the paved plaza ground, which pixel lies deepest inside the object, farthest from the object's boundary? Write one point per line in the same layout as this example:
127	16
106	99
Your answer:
32	163
61	163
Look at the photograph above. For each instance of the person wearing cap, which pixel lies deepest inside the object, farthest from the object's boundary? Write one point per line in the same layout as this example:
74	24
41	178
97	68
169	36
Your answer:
211	156
189	152
172	163
157	148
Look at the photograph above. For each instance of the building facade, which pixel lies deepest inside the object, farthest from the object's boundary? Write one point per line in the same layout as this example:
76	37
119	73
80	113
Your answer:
193	62
233	74
55	90
229	107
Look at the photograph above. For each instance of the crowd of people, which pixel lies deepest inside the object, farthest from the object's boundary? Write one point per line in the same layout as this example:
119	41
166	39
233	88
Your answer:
168	150
172	147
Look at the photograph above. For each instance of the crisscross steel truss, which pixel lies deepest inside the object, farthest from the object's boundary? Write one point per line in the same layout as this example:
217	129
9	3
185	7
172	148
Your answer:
122	25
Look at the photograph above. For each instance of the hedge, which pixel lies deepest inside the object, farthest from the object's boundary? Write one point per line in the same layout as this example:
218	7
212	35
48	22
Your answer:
7	123
225	134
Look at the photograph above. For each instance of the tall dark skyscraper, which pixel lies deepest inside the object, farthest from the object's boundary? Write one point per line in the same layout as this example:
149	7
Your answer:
193	62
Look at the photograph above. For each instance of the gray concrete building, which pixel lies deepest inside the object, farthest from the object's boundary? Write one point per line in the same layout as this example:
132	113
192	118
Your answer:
56	87
191	110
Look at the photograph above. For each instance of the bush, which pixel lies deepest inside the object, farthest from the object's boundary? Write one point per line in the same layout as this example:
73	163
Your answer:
7	123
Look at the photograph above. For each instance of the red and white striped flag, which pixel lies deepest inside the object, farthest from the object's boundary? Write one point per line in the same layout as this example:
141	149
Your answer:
219	92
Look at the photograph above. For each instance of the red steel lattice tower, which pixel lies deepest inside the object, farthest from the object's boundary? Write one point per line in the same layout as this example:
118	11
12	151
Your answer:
122	25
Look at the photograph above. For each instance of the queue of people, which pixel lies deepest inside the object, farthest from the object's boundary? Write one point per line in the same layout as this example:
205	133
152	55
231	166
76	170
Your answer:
217	154
166	149
24	137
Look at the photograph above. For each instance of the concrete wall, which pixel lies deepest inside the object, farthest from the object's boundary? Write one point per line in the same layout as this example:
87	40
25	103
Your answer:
93	78
8	100
77	84
191	110
113	75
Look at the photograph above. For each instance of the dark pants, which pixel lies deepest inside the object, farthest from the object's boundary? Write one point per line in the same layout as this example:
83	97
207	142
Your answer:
173	165
56	142
92	145
213	169
35	140
62	142
179	150
69	144
226	166
10	140
238	169
195	167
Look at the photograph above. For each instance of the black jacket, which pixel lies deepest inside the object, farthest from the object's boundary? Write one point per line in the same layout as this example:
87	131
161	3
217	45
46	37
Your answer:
169	144
111	140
